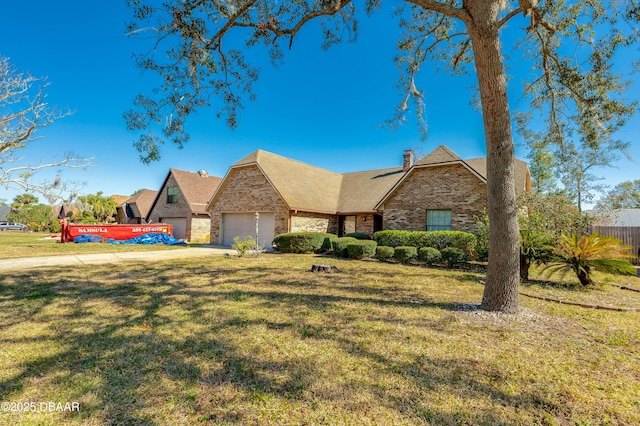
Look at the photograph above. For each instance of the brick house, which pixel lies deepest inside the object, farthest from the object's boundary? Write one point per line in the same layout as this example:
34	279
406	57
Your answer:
136	208
440	191
181	202
291	196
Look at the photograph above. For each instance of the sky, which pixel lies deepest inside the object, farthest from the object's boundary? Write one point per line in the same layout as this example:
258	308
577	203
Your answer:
325	108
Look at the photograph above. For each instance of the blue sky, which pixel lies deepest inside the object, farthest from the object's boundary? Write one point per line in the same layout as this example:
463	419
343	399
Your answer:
323	108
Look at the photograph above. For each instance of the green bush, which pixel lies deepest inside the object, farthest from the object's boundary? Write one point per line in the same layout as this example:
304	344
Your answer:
429	255
436	239
242	246
384	253
339	246
361	248
358	236
405	253
454	256
391	238
303	242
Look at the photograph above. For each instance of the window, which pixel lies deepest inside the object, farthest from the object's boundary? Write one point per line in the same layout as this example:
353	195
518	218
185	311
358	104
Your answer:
173	195
438	220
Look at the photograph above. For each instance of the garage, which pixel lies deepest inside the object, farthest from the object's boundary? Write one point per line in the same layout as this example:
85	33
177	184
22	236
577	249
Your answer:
244	224
179	226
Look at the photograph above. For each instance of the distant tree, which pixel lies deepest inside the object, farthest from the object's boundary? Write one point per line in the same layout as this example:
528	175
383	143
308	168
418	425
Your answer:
625	195
94	208
23	111
26	209
197	57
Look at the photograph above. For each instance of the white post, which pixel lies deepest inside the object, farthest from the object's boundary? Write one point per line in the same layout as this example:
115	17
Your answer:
257	234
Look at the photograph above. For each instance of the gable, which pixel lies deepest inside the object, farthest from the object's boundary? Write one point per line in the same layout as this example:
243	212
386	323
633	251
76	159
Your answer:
246	188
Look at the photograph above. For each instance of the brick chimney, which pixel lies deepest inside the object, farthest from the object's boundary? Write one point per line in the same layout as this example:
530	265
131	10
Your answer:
407	160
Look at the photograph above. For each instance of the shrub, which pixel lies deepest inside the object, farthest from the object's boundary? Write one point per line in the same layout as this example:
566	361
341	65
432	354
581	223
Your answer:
436	239
361	248
339	246
405	253
454	256
242	245
429	255
358	236
303	242
384	253
391	238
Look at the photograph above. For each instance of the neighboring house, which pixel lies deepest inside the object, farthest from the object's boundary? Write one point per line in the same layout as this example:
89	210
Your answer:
623	224
136	208
181	202
64	210
4	211
440	191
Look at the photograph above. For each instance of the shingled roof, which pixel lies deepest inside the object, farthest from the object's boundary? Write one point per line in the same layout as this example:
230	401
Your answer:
141	202
310	188
302	186
197	188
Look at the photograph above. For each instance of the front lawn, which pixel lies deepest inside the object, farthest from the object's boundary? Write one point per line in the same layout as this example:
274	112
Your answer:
28	244
264	341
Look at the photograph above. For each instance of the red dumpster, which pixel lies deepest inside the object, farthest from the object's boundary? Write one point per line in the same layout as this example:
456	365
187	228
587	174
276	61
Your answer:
115	231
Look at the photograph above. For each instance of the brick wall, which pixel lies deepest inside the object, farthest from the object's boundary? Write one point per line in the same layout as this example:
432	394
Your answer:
200	230
311	222
246	189
180	209
445	187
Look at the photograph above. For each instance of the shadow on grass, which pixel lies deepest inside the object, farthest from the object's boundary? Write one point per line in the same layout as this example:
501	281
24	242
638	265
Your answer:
126	358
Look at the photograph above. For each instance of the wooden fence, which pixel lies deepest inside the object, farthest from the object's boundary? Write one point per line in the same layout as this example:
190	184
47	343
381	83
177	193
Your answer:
630	235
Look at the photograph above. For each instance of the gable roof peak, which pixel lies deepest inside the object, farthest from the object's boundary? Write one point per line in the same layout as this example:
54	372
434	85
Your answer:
441	154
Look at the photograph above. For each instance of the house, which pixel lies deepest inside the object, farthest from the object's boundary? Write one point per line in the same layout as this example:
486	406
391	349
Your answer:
4	211
181	202
440	191
136	208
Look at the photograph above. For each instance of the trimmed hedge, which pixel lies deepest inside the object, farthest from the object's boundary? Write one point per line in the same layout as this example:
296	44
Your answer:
358	236
384	253
454	256
339	246
361	248
405	253
436	239
303	242
429	255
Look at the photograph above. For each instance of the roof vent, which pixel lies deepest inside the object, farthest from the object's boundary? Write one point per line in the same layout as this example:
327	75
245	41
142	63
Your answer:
203	173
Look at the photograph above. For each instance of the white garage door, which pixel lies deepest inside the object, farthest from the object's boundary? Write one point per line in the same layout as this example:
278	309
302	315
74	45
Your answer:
244	224
179	226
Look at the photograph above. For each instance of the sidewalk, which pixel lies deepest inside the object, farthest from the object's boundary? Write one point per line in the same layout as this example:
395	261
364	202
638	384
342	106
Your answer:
22	263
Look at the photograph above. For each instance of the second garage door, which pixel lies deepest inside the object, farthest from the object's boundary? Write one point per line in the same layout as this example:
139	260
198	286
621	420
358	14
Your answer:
179	226
244	224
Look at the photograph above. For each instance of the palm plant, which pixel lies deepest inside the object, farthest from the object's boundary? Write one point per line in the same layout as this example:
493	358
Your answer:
585	254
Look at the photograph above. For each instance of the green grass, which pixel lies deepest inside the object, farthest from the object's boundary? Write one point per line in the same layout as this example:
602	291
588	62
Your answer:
264	341
28	244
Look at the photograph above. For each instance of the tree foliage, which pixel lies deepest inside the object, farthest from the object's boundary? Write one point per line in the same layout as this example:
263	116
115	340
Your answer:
94	208
23	112
202	61
38	217
625	195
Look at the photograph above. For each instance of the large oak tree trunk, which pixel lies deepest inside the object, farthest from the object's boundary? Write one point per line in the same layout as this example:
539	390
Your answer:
503	272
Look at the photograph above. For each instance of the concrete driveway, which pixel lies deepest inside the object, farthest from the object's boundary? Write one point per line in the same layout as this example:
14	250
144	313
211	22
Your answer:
23	263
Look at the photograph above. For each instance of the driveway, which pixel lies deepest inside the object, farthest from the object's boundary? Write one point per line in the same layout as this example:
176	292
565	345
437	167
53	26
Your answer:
22	263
